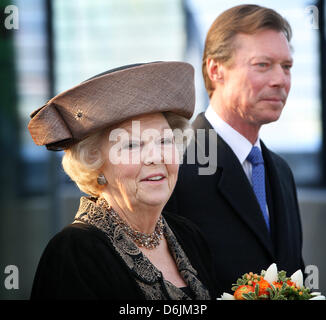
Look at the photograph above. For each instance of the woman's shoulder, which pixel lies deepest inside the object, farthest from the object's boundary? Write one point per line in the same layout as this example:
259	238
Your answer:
75	236
77	231
78	246
80	263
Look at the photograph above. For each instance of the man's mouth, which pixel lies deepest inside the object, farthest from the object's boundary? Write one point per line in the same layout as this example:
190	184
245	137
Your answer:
277	98
274	99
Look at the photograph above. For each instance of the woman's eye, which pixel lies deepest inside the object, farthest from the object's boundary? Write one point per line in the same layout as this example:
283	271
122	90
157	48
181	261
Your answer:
131	145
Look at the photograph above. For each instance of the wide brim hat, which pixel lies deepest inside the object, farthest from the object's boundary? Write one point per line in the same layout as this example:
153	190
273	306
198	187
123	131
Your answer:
113	97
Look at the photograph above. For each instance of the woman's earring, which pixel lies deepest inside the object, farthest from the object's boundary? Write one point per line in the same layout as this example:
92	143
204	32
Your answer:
101	180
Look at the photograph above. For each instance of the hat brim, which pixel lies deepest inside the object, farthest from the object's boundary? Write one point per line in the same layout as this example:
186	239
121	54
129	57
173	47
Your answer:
113	97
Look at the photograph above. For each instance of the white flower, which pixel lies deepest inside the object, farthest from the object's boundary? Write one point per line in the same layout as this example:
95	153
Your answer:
271	274
297	278
226	296
319	297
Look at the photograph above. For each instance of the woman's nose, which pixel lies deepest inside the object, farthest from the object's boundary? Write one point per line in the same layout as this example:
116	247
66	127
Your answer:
152	154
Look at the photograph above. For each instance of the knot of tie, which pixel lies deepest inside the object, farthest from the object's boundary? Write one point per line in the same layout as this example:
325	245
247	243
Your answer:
255	156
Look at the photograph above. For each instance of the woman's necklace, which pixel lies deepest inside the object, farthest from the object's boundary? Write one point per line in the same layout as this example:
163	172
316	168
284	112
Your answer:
148	241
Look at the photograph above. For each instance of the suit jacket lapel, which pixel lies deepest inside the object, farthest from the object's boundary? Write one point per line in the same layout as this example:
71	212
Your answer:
234	186
281	226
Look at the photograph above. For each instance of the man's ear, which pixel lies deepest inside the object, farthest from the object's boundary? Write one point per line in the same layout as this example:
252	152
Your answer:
215	70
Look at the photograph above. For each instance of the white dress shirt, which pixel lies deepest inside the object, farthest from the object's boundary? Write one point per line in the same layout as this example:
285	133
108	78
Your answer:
237	142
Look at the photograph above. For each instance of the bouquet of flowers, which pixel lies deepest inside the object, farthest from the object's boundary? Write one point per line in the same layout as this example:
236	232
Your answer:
271	285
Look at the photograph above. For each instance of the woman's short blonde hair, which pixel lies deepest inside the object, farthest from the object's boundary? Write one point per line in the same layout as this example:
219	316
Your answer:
83	161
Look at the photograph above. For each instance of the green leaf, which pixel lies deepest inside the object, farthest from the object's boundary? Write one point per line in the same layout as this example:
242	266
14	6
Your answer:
249	296
282	276
281	297
257	290
273	288
271	292
241	282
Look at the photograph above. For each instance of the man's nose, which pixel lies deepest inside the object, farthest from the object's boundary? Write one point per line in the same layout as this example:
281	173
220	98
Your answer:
280	77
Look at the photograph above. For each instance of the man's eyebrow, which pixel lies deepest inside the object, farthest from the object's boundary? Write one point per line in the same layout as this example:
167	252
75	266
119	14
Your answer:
289	61
271	59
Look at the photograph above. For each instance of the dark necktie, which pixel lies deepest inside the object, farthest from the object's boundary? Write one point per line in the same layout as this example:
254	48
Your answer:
255	157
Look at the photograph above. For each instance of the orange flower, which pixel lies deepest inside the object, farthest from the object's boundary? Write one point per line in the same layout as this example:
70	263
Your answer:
290	283
241	290
263	286
277	284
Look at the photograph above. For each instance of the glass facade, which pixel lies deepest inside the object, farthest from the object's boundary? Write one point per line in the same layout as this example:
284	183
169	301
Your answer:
92	37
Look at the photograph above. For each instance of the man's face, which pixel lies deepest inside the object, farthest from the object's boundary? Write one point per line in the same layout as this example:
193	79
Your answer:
257	83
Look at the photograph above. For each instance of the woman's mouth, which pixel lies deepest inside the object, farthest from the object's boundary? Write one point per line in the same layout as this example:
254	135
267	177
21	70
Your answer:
154	178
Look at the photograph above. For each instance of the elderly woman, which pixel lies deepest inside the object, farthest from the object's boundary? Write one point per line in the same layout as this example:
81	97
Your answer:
117	133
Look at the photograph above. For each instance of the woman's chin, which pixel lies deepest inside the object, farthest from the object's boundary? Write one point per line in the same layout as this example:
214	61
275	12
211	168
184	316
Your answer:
154	198
152	201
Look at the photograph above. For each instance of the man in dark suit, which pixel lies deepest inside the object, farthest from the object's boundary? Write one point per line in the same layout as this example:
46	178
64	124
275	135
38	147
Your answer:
241	194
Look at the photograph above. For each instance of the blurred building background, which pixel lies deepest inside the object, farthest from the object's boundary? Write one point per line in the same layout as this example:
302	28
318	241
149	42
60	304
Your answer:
54	45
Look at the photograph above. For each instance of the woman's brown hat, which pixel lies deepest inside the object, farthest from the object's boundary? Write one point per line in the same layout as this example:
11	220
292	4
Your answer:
112	97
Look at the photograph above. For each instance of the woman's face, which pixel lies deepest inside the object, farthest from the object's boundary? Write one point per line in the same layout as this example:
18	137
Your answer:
141	162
